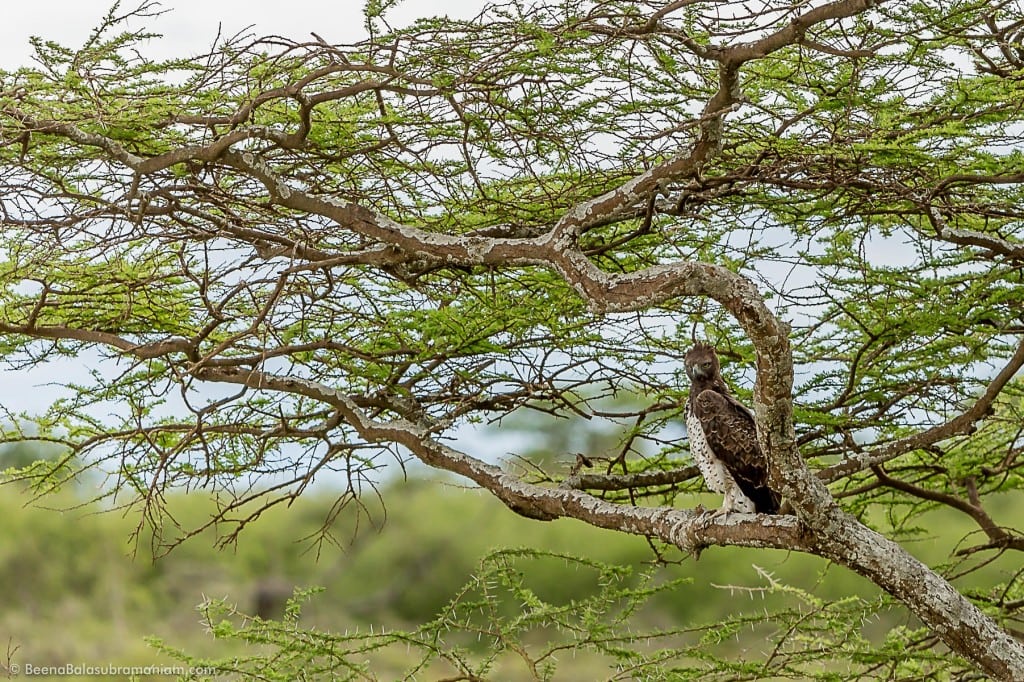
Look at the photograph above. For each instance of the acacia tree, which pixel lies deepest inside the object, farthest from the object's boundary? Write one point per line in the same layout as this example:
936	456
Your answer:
287	257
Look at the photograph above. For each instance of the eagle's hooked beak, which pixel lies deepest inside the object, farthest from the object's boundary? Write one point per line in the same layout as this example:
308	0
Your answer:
701	369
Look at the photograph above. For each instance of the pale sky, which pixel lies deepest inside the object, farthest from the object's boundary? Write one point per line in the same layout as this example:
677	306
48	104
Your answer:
191	25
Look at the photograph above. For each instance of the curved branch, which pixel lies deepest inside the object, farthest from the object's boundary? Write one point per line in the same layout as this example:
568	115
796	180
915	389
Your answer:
998	536
962	424
688	530
794	32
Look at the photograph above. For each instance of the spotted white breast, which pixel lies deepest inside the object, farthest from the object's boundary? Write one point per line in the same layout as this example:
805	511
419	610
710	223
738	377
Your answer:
715	474
711	469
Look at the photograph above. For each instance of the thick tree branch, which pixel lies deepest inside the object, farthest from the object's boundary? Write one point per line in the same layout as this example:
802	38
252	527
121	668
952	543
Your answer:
794	32
686	529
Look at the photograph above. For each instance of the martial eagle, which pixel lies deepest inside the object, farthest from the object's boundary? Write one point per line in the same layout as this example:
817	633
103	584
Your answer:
723	439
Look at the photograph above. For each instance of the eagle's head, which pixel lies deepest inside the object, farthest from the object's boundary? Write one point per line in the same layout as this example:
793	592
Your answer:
701	362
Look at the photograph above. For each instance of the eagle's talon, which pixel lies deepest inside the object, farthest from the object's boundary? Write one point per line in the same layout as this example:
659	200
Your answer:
706	517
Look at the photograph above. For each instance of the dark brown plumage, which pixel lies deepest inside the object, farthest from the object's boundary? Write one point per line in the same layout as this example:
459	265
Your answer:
723	438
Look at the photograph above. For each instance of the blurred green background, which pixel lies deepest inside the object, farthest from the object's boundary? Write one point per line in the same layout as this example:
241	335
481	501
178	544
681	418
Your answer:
74	592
